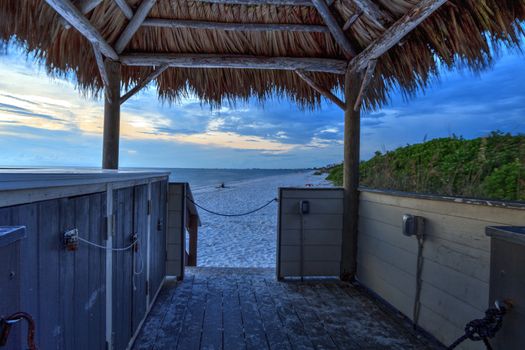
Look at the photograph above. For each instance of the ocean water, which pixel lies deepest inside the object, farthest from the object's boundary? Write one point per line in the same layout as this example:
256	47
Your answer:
198	178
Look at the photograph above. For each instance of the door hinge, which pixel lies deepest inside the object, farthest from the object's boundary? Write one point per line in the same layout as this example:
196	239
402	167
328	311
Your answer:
149	206
147	287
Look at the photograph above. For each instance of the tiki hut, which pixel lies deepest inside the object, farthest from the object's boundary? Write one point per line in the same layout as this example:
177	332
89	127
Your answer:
352	52
222	50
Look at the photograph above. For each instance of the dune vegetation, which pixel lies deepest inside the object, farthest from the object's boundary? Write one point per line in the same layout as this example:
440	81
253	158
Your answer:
487	167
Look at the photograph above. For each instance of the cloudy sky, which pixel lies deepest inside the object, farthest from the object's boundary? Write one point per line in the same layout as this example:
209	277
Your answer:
46	122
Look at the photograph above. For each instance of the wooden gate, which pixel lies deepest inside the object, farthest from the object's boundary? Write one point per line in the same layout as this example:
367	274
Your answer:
309	241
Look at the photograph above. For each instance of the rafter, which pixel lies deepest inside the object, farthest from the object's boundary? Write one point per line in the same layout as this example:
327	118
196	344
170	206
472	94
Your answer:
334	27
134	24
351	20
85	6
236	62
372	11
101	66
369	74
329	95
73	16
396	32
125	8
237	27
154	75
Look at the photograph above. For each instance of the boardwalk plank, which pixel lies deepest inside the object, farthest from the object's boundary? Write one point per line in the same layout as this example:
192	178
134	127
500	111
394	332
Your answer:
254	332
232	321
273	324
225	308
293	325
212	325
318	335
190	337
152	329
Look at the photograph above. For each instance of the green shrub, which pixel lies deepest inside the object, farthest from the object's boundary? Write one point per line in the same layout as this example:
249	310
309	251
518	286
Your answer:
490	167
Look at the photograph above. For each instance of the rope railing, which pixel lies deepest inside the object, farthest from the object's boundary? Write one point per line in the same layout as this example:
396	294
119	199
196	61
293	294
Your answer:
232	215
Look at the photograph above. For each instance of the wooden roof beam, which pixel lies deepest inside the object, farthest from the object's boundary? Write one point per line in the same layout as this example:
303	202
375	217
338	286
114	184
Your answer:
101	66
125	8
134	25
325	65
236	27
369	74
335	29
73	16
351	20
395	33
372	11
86	6
154	75
327	94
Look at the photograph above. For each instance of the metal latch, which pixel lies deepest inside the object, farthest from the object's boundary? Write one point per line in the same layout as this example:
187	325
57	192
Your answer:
71	240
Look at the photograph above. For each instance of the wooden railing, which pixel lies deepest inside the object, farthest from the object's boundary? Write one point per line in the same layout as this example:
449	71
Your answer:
192	227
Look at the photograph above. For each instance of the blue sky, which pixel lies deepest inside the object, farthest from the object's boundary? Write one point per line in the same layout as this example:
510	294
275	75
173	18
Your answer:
46	122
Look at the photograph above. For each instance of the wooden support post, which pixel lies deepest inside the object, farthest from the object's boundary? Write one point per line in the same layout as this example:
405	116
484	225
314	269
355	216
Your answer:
111	117
353	82
193	230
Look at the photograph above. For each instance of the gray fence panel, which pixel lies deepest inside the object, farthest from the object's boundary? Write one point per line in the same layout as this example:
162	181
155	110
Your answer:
317	234
139	257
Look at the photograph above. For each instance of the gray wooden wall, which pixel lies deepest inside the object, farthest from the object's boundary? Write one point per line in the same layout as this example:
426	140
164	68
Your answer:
66	292
322	232
176	238
456	254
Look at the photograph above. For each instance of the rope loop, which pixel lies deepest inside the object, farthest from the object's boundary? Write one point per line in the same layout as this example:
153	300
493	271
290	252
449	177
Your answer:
483	329
232	215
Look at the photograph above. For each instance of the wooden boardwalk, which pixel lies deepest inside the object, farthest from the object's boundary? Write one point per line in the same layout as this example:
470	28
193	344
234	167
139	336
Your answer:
224	308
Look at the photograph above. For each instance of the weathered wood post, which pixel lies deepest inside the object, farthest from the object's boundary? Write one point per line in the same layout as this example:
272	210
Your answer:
352	128
110	149
194	231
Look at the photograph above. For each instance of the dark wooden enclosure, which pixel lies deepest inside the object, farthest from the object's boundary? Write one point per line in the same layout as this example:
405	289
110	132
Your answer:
72	294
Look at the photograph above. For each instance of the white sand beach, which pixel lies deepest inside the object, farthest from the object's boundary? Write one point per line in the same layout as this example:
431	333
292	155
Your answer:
247	241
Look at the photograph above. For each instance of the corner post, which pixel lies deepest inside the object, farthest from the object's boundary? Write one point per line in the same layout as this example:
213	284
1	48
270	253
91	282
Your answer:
110	150
353	81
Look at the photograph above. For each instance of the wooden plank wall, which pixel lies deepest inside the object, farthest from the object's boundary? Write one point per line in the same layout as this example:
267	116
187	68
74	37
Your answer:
158	235
10	282
456	255
123	200
65	291
176	230
322	232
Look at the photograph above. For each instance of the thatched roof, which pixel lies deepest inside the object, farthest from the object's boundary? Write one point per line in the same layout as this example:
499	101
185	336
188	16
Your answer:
461	31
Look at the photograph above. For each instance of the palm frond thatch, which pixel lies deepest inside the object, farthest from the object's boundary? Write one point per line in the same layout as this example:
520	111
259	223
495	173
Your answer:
466	32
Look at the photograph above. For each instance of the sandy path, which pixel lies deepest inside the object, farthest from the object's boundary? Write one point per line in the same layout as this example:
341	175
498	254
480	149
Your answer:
247	241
